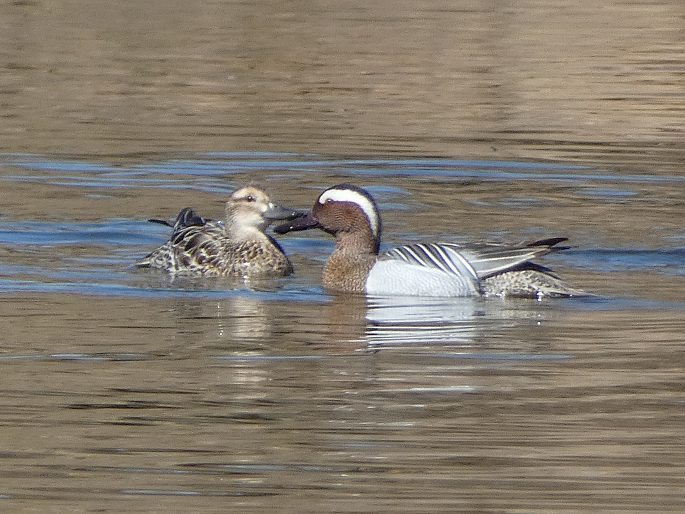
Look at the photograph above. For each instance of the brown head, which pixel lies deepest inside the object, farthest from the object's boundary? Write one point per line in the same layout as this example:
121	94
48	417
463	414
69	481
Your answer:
349	214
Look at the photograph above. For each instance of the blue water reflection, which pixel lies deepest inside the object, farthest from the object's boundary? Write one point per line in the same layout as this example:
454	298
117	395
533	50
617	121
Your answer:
95	258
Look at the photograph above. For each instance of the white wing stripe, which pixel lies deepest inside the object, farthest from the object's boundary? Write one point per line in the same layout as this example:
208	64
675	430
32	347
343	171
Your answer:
435	259
445	263
465	265
443	257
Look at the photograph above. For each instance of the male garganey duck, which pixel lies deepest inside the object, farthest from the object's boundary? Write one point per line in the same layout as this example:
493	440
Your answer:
350	214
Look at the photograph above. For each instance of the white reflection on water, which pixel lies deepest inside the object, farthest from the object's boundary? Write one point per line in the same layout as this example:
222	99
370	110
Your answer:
406	320
460	324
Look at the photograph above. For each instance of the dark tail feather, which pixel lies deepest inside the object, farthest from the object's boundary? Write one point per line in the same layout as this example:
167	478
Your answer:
166	223
550	242
186	218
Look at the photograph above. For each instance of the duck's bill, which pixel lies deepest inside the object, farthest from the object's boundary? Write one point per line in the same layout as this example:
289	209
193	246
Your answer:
304	222
279	213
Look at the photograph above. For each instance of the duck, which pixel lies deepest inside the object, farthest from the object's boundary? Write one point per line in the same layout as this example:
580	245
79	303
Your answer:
483	269
235	247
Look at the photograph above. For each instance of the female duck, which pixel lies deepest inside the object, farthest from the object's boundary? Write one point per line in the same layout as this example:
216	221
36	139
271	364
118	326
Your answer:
350	214
237	246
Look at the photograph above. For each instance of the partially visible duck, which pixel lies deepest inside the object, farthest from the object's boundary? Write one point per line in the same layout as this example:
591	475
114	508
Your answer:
350	214
237	246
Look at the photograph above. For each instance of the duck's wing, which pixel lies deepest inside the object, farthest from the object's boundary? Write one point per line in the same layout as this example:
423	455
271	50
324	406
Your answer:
473	261
189	248
199	246
488	259
192	234
423	269
207	250
442	257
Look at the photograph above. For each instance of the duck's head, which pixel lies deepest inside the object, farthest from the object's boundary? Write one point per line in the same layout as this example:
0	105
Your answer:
251	208
344	211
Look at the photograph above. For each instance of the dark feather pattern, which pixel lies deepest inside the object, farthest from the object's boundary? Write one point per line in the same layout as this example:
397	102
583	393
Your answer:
199	246
206	250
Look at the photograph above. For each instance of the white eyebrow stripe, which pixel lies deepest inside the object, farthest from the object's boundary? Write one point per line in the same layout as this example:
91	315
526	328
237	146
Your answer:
347	195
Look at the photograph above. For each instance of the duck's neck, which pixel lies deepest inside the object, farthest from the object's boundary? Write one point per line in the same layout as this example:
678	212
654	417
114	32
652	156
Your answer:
240	229
350	263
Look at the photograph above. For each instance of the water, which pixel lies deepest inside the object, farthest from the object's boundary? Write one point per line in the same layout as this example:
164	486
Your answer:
125	390
121	383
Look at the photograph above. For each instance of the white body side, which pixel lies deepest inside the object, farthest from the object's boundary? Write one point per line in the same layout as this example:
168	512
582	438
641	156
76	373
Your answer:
395	277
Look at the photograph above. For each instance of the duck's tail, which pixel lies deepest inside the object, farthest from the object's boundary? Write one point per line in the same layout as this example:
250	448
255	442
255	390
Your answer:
533	282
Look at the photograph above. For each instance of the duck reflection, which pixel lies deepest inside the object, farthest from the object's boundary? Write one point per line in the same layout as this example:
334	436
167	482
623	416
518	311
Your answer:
424	321
256	322
373	322
462	322
382	322
237	319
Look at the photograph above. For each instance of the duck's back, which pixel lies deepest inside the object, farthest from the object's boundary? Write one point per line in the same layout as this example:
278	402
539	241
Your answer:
206	250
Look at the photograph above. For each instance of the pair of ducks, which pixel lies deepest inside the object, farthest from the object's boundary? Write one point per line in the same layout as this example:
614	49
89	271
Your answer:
238	246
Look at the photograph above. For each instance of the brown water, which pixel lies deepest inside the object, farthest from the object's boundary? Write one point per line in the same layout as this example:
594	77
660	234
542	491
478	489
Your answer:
126	391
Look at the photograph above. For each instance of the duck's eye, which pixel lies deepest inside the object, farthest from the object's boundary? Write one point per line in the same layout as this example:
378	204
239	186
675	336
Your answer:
329	200
250	198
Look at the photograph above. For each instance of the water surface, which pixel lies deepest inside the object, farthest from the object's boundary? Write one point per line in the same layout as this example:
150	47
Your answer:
123	384
125	390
